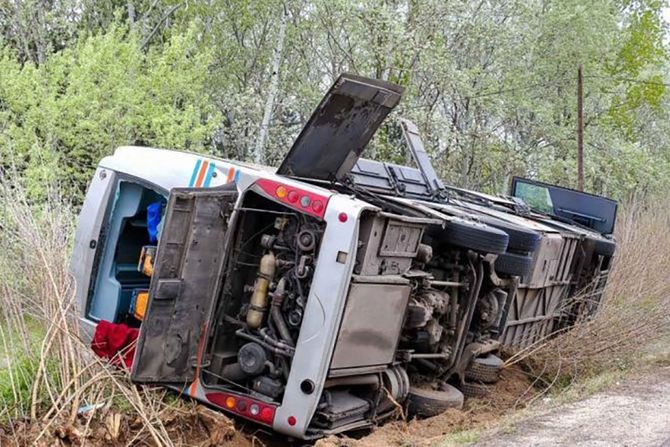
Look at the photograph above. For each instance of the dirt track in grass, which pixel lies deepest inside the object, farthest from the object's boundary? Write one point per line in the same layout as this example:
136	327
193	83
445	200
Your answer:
633	412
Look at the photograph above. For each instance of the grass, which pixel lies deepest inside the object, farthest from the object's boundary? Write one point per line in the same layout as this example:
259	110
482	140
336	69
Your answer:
15	386
657	353
18	368
461	437
48	372
588	387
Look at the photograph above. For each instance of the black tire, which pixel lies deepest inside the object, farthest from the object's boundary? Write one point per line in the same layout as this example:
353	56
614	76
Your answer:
428	403
521	239
474	236
604	247
484	369
475	389
513	264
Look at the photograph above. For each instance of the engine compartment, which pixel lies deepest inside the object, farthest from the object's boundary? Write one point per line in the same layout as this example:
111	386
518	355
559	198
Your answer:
260	310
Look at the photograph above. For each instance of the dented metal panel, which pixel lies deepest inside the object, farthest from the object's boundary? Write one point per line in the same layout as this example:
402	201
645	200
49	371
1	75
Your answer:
542	297
533	314
546	262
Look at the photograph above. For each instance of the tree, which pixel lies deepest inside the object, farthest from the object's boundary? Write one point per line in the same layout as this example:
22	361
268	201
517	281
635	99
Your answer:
491	84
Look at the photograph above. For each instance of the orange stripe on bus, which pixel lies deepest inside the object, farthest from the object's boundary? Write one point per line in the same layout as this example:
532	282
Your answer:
201	175
231	174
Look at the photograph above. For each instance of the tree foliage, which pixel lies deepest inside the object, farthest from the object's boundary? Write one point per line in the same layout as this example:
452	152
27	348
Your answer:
60	118
491	84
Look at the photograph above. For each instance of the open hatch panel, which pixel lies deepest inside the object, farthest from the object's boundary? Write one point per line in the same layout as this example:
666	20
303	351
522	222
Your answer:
186	280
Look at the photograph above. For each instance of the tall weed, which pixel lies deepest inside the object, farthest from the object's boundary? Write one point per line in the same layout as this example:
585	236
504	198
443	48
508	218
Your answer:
48	374
633	313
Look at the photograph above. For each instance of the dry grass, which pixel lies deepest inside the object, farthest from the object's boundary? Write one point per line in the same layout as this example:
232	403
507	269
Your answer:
47	373
633	313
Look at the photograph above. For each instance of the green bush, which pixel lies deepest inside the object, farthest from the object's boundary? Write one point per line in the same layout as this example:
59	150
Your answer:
59	119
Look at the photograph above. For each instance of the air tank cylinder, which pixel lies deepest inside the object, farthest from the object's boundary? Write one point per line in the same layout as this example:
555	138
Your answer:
259	298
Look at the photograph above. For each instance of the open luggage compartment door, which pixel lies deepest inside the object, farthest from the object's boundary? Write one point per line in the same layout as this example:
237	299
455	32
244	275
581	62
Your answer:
187	275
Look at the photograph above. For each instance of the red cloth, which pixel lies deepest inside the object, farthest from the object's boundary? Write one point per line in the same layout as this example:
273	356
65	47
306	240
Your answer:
115	342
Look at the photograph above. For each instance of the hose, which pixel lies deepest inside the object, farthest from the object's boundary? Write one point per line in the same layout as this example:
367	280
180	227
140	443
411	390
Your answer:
288	352
272	341
276	314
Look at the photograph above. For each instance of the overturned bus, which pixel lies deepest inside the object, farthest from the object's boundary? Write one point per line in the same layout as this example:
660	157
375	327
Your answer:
560	245
315	298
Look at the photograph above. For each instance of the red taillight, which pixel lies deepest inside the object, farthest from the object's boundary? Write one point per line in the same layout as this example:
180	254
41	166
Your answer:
296	198
317	206
244	406
267	415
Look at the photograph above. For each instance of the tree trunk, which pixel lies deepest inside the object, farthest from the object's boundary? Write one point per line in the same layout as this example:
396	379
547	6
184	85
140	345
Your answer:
131	14
274	86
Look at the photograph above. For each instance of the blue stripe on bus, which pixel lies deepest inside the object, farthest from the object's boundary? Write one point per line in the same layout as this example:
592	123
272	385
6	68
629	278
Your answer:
195	173
237	176
210	173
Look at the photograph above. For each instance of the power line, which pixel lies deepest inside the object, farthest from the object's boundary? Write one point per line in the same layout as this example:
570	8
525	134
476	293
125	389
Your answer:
513	89
636	81
554	81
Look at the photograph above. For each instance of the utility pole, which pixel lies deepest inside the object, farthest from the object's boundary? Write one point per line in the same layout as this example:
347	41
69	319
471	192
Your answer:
580	129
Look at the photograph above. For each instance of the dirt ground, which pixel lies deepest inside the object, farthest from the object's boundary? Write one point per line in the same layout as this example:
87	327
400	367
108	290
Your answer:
200	426
511	392
635	412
